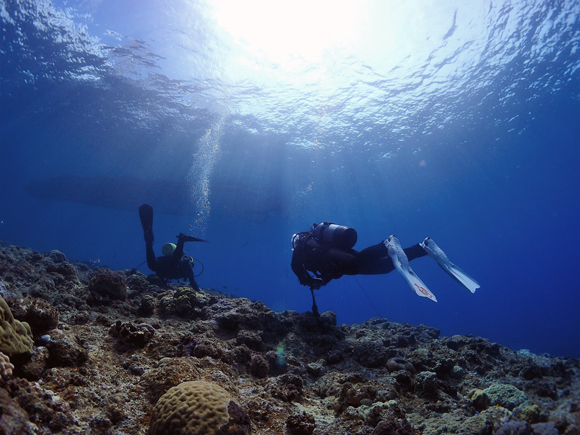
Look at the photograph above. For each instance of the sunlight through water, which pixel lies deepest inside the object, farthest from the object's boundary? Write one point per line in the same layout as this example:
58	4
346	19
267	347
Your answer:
282	30
402	67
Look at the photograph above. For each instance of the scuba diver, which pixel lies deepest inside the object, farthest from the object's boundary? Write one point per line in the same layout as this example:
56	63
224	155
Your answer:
173	264
326	252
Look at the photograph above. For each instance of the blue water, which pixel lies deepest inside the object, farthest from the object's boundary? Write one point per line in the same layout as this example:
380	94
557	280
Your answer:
456	121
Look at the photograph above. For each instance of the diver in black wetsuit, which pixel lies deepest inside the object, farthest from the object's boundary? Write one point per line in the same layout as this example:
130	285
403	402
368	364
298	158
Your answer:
326	252
173	264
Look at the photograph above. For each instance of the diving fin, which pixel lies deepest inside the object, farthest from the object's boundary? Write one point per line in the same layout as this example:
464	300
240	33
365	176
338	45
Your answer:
187	238
146	216
402	265
455	272
195	239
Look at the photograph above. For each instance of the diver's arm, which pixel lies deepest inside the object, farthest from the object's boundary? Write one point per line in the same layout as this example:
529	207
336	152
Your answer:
178	252
300	271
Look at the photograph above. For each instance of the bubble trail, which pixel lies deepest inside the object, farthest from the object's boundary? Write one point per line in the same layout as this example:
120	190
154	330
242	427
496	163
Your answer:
204	160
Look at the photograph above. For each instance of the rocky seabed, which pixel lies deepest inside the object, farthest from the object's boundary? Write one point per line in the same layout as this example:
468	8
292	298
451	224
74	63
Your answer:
114	352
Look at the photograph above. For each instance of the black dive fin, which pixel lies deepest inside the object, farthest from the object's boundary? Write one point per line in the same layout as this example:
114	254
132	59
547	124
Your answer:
187	238
146	216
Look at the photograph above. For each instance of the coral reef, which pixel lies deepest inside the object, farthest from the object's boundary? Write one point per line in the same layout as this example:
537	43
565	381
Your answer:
196	408
115	351
5	366
109	284
15	336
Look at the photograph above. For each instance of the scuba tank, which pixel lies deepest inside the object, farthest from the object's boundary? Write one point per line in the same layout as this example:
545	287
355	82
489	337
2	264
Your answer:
335	235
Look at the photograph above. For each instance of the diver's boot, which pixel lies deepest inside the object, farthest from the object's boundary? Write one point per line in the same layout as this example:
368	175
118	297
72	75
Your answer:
402	264
454	272
146	216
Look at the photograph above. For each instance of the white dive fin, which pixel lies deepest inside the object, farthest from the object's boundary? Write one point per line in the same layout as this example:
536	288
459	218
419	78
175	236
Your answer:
455	272
402	264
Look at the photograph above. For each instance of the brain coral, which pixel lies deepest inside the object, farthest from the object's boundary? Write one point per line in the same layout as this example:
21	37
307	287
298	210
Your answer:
198	408
15	336
505	395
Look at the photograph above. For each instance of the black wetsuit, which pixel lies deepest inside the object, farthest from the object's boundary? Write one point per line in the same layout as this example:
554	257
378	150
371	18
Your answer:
168	266
327	262
171	266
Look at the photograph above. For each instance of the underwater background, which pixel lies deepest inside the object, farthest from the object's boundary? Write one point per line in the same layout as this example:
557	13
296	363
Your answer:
245	122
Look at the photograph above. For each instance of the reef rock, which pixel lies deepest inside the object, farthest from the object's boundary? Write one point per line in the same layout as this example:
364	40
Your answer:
116	352
109	284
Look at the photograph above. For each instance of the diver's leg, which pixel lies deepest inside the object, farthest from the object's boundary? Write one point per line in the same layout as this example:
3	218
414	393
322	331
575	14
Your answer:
372	253
381	266
151	259
336	263
375	259
415	251
191	279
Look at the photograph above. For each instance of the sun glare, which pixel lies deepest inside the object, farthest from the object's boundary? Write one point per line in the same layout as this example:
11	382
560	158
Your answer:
284	29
